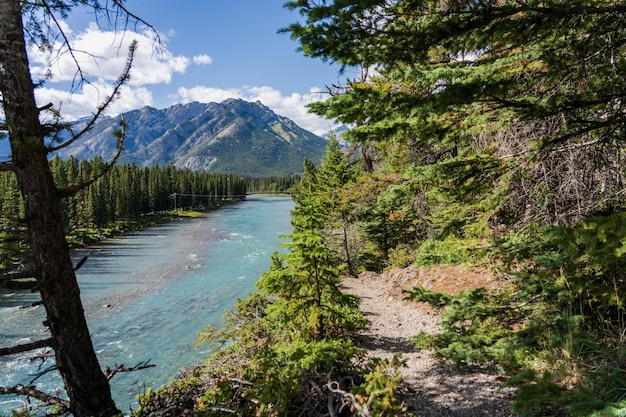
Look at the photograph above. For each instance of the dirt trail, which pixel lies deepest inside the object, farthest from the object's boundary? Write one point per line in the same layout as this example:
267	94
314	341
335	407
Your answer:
430	388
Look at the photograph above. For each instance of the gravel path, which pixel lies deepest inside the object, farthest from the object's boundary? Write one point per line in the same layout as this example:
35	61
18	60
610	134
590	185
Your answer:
429	387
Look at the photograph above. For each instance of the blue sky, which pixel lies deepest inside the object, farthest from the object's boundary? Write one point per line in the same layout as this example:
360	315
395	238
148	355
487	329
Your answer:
210	50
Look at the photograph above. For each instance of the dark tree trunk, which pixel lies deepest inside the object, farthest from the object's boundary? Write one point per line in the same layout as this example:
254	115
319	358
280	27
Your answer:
346	243
87	387
366	152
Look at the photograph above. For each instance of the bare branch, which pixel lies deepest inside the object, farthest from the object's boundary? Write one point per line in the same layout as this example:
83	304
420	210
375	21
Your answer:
25	347
223	409
66	41
120	5
69	191
46	107
110	373
520	305
82	261
30	391
362	409
102	107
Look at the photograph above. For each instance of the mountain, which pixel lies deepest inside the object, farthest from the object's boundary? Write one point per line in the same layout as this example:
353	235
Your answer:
234	136
336	133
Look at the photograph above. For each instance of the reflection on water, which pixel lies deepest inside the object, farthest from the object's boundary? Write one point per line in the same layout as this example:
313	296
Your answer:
148	294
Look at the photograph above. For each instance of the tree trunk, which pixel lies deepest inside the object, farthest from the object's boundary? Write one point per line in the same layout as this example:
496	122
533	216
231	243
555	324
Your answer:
346	243
366	152
85	383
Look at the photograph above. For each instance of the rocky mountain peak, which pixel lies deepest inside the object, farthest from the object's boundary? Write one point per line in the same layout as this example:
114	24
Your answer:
234	136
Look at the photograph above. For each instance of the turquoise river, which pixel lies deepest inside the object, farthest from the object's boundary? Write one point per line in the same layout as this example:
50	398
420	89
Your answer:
148	294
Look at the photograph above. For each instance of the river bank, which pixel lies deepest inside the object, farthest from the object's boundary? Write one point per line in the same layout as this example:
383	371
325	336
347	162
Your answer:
84	236
148	294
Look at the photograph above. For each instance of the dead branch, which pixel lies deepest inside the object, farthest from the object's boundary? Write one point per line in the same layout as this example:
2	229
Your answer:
25	347
105	105
79	71
362	409
240	382
110	373
137	20
43	357
70	191
82	261
30	391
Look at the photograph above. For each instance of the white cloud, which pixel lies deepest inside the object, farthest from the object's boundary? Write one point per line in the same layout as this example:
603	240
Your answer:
202	59
102	57
80	104
292	106
104	54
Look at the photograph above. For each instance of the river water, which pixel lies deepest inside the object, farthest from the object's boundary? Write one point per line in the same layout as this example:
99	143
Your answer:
148	294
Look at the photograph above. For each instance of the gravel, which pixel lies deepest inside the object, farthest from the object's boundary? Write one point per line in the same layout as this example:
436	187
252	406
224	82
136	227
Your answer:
430	387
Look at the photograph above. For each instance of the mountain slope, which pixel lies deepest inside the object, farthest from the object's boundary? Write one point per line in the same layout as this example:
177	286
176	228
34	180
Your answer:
234	136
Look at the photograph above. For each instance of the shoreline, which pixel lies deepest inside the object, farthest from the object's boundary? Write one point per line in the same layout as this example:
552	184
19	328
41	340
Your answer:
84	237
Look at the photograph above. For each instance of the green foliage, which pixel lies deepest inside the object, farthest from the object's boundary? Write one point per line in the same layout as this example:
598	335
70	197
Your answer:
371	258
435	299
180	393
305	281
125	194
269	360
613	410
498	141
579	266
495	60
423	341
452	250
272	184
308	299
537	395
558	325
401	256
377	392
540	395
462	192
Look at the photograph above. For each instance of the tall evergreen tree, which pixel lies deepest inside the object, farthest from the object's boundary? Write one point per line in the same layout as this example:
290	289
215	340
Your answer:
483	84
335	176
306	279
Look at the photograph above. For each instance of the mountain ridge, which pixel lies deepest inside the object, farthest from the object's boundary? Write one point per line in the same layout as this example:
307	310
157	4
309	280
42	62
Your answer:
234	136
